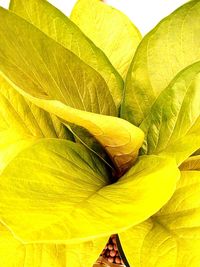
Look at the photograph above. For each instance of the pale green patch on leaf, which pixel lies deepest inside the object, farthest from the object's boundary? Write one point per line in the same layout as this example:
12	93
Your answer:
172	236
15	253
68	189
172	125
110	30
60	28
192	163
169	48
49	69
21	123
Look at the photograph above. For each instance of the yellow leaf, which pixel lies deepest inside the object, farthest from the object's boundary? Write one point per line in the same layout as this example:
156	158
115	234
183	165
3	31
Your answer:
110	30
21	123
64	194
56	25
14	253
172	236
169	48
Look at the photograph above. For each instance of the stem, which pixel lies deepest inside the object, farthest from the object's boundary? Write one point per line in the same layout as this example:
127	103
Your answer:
122	252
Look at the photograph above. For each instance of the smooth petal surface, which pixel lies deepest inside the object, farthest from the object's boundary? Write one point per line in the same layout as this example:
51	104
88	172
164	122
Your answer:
60	28
49	69
14	253
172	236
109	29
67	196
169	48
21	123
174	117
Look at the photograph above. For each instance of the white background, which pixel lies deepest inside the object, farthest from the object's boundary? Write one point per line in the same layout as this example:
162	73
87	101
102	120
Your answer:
144	13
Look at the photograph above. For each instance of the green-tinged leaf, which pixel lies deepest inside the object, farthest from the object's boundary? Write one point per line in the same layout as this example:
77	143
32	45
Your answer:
49	69
172	236
21	123
56	25
15	253
169	48
110	30
183	147
82	136
57	77
174	117
67	196
121	139
20	114
192	163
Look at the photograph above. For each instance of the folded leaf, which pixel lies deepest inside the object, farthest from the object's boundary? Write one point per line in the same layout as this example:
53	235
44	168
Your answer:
21	123
56	25
173	118
78	86
192	163
169	48
52	71
49	69
110	30
15	253
68	189
172	236
121	139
